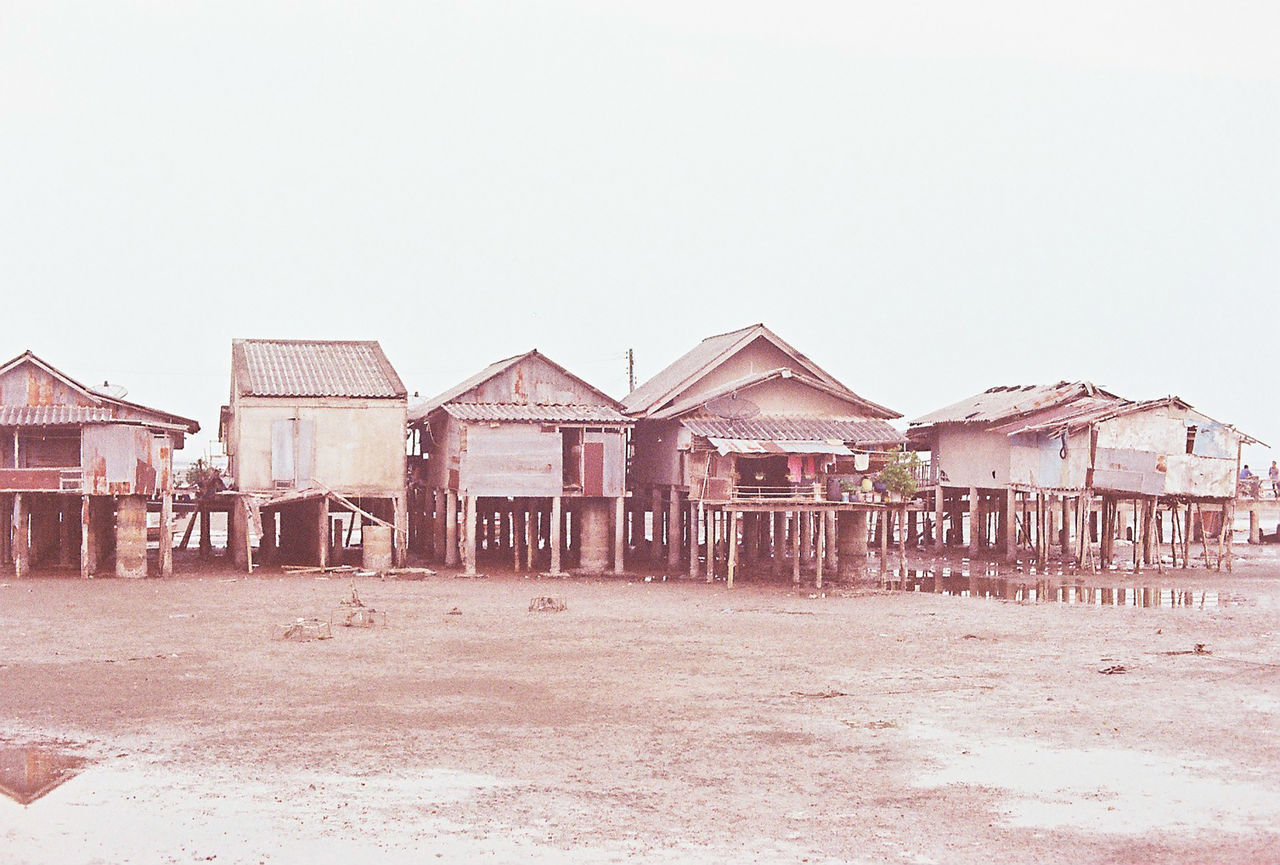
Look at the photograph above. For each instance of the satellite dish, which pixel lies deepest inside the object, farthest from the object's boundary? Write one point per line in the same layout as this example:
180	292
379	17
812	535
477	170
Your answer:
115	391
732	407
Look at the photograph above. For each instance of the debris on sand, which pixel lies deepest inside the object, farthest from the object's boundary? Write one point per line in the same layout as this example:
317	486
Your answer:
410	573
302	629
1198	649
547	605
1112	669
821	695
353	613
454	612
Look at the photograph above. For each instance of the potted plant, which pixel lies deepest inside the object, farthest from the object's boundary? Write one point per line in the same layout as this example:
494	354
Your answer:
899	477
848	487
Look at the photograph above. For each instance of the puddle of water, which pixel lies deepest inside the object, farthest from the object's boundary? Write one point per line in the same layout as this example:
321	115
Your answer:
1105	790
1050	590
29	772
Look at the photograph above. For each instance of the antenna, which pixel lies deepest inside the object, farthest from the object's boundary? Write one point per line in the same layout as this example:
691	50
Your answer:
732	407
631	370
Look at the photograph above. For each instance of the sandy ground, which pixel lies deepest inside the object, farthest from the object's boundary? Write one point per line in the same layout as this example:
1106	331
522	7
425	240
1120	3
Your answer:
660	721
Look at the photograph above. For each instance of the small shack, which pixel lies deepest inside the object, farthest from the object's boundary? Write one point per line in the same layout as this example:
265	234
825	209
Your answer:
315	440
744	441
79	468
1051	469
521	465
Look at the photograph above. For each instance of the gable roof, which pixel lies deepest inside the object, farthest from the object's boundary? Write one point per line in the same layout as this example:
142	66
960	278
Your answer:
694	403
314	368
705	356
105	402
493	370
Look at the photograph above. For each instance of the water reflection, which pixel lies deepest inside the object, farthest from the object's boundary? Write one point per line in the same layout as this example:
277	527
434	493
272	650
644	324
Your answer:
28	772
1052	588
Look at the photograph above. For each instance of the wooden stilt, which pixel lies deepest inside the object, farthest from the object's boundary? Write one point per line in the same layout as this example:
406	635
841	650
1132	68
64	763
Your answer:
557	522
795	548
822	548
619	534
733	548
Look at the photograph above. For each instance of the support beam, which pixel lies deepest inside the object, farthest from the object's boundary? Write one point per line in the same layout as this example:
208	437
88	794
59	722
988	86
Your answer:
673	530
822	547
131	537
795	548
695	540
939	519
87	540
166	534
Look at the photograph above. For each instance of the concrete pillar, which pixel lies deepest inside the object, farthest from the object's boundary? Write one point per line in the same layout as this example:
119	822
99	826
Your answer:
620	534
131	537
806	536
238	535
674	533
470	533
795	548
1255	527
21	540
321	531
593	535
451	528
166	534
557	522
822	548
439	524
733	548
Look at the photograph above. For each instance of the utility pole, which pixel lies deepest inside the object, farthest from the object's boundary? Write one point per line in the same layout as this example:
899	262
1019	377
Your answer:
631	370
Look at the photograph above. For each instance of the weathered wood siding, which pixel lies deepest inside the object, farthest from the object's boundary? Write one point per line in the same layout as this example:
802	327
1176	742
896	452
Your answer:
359	444
758	356
511	460
657	455
28	384
532	381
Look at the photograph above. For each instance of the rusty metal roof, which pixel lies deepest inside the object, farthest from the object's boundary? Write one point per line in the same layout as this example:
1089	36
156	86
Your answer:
589	414
314	368
1002	403
755	446
52	415
860	431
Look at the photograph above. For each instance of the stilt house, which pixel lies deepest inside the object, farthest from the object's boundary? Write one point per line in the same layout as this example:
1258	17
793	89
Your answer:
532	458
315	439
78	468
1027	465
744	430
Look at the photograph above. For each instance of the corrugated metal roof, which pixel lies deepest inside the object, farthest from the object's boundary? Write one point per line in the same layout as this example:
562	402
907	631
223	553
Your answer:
1008	401
795	429
591	414
755	446
420	411
314	368
52	415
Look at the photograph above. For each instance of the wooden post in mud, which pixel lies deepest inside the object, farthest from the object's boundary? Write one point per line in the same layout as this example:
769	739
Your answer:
939	513
1008	526
975	524
470	532
778	549
673	529
733	549
620	535
86	539
902	543
884	538
655	521
795	548
832	541
822	547
1228	531
21	529
695	539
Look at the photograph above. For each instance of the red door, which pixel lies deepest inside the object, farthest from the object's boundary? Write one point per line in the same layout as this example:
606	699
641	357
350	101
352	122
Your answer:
593	468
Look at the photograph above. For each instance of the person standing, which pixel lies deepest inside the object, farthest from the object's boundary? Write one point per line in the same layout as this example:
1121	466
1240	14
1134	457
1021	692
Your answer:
1273	475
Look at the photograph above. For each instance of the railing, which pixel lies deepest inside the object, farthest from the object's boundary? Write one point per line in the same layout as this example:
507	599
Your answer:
923	472
793	492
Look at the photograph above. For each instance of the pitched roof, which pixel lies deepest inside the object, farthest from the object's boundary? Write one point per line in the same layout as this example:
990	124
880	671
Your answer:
706	355
489	411
732	387
421	410
52	415
794	429
314	368
1004	402
97	397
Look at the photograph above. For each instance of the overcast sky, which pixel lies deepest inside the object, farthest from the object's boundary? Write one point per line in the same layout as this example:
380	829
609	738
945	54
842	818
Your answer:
928	199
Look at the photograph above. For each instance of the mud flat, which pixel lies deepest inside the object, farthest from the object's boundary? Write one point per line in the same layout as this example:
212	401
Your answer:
659	721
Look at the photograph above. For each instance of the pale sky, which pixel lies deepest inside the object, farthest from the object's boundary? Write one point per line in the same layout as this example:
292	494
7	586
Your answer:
928	199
